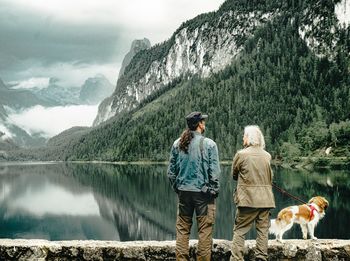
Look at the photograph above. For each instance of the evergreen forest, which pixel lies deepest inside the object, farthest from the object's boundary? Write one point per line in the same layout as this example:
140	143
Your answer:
300	101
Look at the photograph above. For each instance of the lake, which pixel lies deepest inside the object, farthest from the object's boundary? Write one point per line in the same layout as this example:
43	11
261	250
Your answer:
67	201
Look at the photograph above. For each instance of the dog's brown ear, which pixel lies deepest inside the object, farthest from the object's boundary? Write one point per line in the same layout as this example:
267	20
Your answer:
325	203
319	201
311	200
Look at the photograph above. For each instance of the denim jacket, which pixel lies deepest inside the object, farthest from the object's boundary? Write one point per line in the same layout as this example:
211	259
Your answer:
186	171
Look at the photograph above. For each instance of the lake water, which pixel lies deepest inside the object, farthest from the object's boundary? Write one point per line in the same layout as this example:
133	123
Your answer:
66	201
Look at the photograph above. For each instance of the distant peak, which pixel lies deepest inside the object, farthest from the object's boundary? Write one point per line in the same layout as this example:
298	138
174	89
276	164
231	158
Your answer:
53	80
140	44
136	46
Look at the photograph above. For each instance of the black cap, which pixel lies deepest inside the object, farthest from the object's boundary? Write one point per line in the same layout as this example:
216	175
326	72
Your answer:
193	118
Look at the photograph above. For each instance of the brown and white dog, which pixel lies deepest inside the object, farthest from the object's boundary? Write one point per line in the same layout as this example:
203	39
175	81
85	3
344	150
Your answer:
305	215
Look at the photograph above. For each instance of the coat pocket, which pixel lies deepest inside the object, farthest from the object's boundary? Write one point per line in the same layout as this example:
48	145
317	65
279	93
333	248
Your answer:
211	213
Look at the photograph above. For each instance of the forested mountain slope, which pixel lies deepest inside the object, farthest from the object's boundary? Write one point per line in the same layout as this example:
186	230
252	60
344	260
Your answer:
296	92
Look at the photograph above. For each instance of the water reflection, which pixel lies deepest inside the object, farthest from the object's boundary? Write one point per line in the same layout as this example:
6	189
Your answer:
52	200
132	202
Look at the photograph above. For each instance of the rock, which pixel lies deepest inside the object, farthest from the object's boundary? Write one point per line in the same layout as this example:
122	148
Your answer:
20	249
136	46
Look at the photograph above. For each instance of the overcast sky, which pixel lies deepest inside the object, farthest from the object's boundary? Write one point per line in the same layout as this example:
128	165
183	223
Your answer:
76	39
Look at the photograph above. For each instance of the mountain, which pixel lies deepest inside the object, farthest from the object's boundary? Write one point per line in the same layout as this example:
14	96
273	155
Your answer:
95	89
14	100
136	46
19	99
24	139
105	106
5	145
58	95
56	147
201	46
60	139
6	142
281	65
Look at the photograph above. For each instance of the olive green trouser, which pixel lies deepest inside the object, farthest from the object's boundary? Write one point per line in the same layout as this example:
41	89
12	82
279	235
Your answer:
204	207
245	217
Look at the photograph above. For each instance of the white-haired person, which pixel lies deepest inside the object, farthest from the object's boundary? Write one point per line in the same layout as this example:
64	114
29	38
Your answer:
253	195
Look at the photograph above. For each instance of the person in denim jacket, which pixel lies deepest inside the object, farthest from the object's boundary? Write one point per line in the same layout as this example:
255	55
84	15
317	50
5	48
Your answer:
194	175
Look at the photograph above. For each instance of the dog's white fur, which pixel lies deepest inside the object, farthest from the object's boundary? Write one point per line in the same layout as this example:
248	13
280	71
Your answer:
299	214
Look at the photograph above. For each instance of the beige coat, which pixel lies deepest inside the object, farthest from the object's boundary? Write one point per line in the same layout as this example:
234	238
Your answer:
251	168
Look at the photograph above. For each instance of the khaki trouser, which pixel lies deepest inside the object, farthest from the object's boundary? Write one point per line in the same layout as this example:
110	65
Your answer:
243	223
204	207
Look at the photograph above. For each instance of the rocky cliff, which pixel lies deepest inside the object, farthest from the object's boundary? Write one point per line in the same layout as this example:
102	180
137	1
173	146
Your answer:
136	46
322	26
194	49
210	42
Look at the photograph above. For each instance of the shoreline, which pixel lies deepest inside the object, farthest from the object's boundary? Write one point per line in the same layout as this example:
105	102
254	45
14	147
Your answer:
305	163
141	162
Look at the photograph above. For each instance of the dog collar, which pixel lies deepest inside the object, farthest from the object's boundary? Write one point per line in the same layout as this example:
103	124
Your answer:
312	210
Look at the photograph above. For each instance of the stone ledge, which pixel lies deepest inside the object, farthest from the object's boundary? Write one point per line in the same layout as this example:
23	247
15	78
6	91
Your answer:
20	249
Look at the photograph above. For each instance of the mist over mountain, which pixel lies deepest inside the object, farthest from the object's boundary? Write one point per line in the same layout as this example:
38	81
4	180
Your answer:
25	111
58	95
19	98
13	136
95	89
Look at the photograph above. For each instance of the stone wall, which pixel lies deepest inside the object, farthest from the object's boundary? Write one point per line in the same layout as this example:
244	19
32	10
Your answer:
165	250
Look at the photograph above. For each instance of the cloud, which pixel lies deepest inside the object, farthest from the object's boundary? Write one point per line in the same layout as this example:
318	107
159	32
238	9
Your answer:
67	74
40	34
149	15
51	121
38	82
52	200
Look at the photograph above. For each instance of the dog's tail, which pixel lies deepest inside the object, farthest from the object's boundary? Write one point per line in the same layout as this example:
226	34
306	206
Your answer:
274	226
283	219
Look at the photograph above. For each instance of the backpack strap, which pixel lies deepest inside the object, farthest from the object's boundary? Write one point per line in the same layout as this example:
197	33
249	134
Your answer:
201	146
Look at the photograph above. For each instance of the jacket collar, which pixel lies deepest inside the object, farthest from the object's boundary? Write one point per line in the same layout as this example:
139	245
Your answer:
196	133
